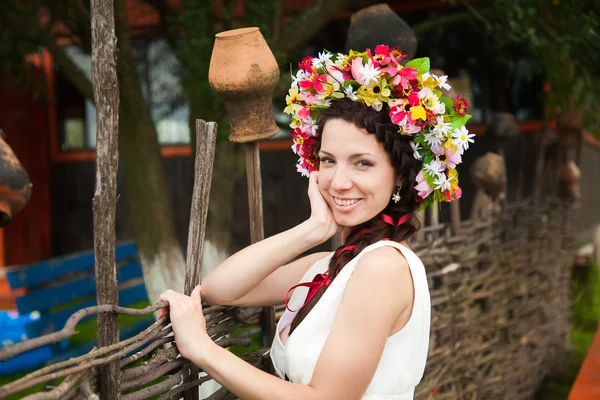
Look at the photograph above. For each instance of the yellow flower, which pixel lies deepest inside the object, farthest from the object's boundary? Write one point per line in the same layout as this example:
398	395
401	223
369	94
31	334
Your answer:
331	90
366	95
292	100
417	112
428	81
382	90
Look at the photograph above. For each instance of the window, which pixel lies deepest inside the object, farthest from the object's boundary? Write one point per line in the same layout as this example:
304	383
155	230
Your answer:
158	69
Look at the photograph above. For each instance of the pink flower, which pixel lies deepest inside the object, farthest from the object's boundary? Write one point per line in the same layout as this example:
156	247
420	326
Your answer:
314	81
304	112
413	98
423	189
382	55
397	113
445	156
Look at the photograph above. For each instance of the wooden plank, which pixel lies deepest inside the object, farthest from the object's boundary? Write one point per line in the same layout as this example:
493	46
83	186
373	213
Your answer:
51	322
36	274
46	298
587	383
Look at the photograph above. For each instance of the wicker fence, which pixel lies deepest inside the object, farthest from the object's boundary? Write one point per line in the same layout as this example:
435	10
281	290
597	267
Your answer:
500	295
501	303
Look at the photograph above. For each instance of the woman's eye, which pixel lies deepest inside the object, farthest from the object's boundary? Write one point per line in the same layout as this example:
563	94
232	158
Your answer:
326	160
364	163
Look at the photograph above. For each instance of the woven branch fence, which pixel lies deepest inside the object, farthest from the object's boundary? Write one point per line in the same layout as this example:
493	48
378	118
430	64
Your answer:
500	320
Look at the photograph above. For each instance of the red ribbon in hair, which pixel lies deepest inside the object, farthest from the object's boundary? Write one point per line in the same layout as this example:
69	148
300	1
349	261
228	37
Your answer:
313	287
347	248
389	220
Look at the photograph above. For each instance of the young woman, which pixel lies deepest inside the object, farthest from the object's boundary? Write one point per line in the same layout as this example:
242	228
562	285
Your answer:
378	141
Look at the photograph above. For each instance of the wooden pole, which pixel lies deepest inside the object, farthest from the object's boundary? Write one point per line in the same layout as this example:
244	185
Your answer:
206	138
455	216
257	226
106	97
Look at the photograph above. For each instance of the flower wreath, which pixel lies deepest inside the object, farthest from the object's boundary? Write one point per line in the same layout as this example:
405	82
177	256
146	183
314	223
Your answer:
411	95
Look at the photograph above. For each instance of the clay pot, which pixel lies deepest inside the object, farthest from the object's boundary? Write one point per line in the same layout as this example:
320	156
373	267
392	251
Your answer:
244	73
15	187
489	173
379	24
570	179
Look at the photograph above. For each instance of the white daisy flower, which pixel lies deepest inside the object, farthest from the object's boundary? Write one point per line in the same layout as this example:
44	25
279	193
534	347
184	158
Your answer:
350	93
442	82
441	128
322	59
416	147
462	137
370	73
442	182
432	139
434	168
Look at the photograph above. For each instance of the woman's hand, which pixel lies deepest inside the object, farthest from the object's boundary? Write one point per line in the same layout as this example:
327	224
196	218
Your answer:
187	321
321	215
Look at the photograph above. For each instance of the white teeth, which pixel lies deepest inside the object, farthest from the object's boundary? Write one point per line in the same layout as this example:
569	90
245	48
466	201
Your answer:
341	202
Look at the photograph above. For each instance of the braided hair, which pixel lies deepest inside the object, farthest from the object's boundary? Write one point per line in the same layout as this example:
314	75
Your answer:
406	167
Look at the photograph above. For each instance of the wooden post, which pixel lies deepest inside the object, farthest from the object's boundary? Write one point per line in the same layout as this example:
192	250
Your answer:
106	96
257	225
420	235
455	216
206	138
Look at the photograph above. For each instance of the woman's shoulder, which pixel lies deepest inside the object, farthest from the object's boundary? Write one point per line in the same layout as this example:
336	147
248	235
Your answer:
385	261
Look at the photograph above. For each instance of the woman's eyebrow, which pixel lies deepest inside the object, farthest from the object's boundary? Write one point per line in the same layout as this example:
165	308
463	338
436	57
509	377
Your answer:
357	155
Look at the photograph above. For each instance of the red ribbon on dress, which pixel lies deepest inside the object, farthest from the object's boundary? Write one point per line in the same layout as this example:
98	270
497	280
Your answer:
389	220
313	287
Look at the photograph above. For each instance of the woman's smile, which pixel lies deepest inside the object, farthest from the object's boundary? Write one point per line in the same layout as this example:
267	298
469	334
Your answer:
345	204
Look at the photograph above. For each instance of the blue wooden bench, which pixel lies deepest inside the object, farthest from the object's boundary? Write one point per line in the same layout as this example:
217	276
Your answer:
58	287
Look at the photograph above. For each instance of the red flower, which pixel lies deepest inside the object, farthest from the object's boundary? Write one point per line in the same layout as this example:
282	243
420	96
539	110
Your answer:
461	106
306	63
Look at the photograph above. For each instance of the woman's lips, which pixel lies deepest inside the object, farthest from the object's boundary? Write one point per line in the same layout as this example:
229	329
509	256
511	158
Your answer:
345	204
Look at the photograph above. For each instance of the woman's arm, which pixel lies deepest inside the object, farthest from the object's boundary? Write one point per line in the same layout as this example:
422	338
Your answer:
350	355
246	269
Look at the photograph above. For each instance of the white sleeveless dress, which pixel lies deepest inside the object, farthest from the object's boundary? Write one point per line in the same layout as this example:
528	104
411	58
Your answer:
405	353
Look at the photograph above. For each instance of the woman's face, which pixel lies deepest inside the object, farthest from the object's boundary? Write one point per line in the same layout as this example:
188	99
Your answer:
356	177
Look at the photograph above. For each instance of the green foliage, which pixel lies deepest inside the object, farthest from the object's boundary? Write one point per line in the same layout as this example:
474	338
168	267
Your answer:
563	39
585	320
420	64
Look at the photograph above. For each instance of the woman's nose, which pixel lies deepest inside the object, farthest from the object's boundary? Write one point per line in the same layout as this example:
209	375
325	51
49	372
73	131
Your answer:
341	180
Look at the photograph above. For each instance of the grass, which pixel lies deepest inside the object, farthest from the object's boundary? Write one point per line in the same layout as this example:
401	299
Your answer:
86	332
585	320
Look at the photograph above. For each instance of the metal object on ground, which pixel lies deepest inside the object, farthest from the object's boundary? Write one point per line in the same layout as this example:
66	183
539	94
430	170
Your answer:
15	187
378	24
244	73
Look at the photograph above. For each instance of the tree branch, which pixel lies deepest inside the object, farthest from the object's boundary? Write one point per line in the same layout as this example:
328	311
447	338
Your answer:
307	24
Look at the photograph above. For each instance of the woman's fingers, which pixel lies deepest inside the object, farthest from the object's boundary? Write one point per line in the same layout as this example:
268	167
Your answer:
195	296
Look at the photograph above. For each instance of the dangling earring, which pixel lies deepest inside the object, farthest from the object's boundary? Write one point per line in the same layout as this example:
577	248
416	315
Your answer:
396	196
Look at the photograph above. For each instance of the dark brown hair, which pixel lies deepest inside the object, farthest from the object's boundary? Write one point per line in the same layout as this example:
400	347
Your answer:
406	168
